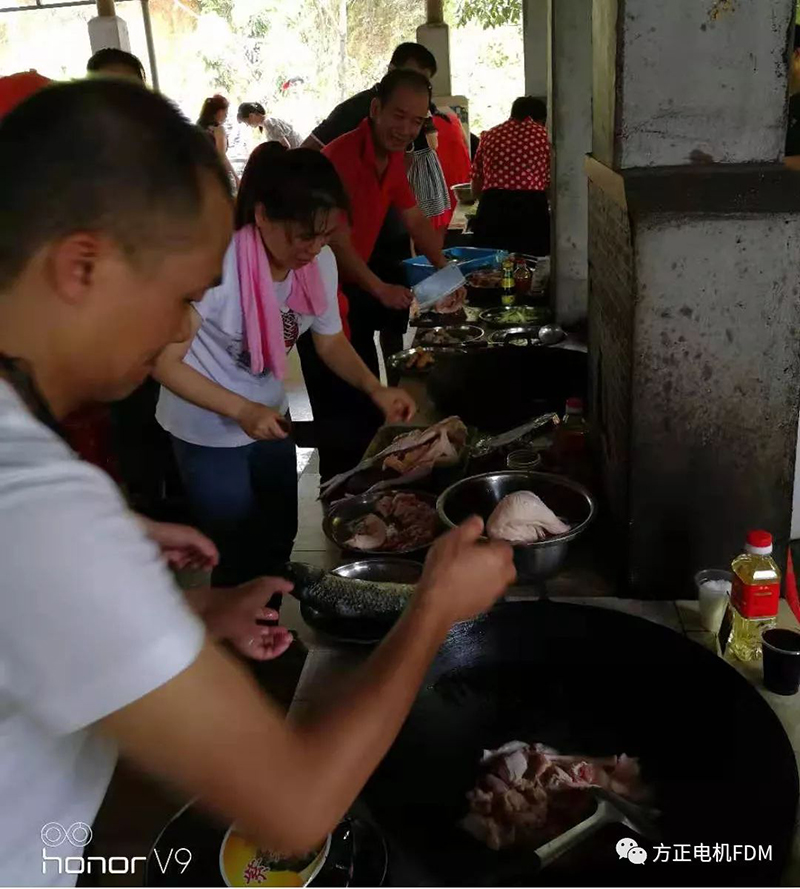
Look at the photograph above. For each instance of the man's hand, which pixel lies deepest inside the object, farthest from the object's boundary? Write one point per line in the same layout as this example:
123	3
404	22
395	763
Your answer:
231	614
463	575
262	422
397	405
182	546
393	296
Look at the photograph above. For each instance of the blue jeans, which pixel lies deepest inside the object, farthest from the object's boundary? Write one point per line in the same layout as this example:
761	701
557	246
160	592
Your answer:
245	500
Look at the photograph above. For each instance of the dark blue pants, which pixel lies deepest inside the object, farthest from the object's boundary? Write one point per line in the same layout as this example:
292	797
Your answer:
245	500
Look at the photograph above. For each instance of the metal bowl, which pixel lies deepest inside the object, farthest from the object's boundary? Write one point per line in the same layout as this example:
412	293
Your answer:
551	334
341	515
383	570
463	192
357	630
463	333
480	494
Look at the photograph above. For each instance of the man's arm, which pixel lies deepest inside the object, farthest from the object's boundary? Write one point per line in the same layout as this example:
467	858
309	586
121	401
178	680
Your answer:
312	142
352	268
211	732
423	234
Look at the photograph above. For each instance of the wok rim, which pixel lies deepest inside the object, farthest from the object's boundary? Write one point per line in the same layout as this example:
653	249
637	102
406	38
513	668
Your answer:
558	539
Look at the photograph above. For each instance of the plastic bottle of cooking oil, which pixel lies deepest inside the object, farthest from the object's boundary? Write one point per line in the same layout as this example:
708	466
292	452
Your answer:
754	597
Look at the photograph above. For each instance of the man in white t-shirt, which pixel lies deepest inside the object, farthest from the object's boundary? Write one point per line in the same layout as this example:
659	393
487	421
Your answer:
114	217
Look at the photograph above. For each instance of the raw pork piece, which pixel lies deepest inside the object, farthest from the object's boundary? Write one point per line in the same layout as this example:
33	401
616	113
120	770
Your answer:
529	794
369	533
402	521
522	517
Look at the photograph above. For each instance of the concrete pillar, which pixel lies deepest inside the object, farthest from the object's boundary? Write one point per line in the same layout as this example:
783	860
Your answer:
107	29
571	127
537	47
694	246
436	37
702	82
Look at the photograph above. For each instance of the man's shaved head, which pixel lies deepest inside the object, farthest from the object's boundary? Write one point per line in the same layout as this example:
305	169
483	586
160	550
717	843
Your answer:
103	156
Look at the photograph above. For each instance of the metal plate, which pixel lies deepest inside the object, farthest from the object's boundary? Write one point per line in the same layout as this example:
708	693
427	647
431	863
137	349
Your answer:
462	333
338	521
385	570
437	319
399	360
523	316
528	334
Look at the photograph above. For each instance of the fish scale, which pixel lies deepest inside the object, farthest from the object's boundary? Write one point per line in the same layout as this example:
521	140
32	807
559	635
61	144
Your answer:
347	597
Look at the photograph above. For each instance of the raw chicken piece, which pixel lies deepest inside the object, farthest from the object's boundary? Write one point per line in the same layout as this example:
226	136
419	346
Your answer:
370	533
452	430
452	303
522	517
438	452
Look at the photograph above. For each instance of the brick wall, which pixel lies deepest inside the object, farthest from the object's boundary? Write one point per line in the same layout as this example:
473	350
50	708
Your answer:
611	298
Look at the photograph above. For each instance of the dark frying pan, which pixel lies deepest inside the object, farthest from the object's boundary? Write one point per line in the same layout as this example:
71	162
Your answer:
588	680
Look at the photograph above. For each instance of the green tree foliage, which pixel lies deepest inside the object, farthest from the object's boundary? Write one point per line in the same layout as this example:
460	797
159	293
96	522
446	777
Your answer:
489	13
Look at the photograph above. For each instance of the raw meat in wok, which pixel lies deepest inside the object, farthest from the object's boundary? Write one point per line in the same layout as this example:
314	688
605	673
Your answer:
530	794
522	517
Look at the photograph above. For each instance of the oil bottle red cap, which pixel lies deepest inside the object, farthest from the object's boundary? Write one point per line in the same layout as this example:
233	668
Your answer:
575	405
759	539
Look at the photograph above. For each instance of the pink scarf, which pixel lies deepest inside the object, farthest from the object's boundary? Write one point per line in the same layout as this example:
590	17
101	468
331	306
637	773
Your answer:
262	323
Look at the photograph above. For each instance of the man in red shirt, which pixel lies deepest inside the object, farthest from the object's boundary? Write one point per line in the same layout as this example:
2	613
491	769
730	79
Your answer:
371	163
511	175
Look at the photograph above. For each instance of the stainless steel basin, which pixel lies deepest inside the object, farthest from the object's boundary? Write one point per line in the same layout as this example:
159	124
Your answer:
480	494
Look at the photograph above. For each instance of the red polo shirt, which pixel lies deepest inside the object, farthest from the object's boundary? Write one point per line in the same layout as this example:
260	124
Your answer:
370	196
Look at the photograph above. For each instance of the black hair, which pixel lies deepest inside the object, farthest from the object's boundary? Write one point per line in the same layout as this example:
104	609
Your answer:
212	107
399	77
117	57
292	184
414	52
528	106
248	108
101	155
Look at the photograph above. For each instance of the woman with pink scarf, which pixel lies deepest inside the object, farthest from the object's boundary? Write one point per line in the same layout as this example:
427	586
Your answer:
222	399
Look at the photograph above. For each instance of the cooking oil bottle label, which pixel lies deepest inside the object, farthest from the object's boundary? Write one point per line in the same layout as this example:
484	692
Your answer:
755	599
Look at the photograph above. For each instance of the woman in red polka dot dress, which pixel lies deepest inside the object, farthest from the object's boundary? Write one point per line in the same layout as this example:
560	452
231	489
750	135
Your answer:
511	175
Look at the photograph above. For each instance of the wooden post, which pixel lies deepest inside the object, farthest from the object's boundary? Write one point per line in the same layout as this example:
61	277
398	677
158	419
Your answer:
105	8
435	12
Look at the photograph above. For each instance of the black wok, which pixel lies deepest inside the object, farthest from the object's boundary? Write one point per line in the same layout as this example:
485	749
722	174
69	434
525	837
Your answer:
588	680
497	389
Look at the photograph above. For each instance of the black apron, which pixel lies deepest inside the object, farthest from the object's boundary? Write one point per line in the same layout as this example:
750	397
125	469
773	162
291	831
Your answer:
517	221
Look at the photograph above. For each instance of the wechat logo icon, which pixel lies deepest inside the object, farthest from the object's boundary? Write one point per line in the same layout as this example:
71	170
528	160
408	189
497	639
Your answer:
631	851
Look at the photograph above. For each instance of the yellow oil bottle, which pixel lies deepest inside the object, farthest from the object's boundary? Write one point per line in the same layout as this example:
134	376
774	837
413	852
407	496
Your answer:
754	597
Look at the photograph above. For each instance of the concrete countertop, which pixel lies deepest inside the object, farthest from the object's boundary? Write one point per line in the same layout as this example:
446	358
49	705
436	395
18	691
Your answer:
328	666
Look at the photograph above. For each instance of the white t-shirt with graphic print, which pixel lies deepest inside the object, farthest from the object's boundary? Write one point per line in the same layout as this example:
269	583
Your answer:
217	351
